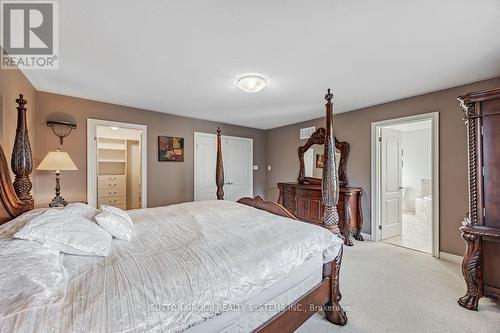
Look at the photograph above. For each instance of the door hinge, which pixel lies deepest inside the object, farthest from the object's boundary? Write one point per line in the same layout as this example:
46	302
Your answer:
379	139
380	227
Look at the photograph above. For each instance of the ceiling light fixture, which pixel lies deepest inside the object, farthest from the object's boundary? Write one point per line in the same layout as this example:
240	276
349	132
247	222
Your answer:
251	83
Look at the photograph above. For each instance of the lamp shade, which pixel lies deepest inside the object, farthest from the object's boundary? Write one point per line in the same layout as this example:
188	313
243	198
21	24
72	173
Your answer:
56	161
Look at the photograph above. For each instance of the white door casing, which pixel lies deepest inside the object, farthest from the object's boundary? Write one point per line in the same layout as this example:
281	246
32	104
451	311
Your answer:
391	181
92	158
376	200
237	156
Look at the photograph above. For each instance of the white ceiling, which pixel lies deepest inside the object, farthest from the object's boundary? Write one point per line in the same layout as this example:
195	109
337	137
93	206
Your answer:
183	57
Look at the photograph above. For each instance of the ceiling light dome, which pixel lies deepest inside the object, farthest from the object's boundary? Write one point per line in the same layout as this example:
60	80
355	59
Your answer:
252	83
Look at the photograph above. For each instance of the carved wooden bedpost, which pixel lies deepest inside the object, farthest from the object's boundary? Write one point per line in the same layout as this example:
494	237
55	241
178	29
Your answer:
330	195
330	183
22	161
219	171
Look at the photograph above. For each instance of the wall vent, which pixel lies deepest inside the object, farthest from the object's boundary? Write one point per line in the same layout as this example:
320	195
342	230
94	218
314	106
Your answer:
305	133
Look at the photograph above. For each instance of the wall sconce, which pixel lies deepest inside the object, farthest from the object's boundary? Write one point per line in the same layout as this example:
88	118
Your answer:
61	129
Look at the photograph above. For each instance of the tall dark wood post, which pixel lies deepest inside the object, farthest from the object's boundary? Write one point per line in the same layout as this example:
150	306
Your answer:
330	196
219	171
330	183
22	160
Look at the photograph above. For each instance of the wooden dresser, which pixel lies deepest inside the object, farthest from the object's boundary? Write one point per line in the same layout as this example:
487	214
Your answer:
304	201
481	227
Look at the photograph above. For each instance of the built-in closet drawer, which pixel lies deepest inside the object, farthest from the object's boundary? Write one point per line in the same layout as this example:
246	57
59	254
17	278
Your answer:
107	184
111	192
112	201
111	177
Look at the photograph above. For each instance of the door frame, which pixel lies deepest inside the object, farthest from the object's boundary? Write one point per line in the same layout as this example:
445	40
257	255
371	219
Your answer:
376	174
92	158
196	135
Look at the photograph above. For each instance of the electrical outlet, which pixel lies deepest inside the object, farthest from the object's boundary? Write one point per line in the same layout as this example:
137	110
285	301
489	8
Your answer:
268	168
255	167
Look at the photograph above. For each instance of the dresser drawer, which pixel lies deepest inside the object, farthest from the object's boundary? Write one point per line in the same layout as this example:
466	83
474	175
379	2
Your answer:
112	201
107	184
111	192
111	177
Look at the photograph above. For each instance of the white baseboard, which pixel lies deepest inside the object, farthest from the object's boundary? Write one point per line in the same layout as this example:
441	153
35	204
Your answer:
450	257
366	236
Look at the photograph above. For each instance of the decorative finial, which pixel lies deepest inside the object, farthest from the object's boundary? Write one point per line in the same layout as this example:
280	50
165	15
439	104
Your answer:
218	130
329	96
21	101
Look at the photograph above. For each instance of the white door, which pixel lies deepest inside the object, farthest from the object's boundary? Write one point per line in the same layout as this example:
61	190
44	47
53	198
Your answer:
237	155
391	179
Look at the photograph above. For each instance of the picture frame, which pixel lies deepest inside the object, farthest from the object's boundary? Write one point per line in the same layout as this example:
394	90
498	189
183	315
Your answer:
170	149
320	161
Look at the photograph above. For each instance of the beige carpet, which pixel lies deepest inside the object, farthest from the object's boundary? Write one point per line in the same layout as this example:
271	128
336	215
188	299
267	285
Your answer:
391	289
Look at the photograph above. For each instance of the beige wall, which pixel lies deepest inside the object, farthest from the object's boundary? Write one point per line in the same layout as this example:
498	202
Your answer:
168	182
355	128
12	83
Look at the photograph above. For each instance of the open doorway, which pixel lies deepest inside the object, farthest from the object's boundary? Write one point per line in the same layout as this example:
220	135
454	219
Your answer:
117	164
405	179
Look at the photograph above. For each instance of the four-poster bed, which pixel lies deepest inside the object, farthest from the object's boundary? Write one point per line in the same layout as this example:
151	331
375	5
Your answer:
328	291
270	220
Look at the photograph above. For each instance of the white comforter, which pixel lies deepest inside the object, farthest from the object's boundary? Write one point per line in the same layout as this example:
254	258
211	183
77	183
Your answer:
184	264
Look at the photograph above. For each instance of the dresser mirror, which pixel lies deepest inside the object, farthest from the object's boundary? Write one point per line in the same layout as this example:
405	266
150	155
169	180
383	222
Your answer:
311	159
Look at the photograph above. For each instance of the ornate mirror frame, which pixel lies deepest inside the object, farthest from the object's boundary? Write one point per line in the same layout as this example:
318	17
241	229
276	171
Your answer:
318	138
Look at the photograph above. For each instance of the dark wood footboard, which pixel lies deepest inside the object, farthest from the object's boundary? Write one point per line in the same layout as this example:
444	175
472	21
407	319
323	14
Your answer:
325	296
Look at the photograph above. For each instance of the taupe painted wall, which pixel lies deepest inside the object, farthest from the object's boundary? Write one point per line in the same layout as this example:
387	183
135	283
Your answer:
355	128
168	182
12	83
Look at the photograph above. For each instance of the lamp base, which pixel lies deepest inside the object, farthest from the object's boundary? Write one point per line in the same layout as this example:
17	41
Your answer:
58	201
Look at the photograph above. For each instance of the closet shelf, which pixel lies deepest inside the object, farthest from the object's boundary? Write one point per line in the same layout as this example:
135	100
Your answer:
112	160
112	146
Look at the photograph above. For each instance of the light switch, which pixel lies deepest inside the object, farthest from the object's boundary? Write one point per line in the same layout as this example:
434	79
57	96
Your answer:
255	167
268	168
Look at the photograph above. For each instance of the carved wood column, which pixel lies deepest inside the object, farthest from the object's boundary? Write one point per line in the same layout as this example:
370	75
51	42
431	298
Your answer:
22	160
330	183
219	171
471	270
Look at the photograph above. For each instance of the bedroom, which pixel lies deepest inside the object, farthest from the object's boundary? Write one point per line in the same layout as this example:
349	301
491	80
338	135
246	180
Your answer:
173	68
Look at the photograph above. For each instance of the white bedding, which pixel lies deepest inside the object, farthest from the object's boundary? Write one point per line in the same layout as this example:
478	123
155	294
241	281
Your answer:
183	264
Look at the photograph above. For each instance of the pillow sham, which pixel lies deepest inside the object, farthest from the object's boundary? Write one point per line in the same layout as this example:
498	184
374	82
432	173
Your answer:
115	221
81	209
67	233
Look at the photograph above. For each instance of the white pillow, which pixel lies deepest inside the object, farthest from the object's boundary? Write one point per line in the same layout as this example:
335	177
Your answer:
115	221
68	233
81	209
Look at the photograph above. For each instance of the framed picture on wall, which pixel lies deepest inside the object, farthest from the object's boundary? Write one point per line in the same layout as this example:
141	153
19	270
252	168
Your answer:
170	149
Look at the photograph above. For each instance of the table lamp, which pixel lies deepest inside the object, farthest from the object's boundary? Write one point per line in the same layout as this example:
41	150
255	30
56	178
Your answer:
57	161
